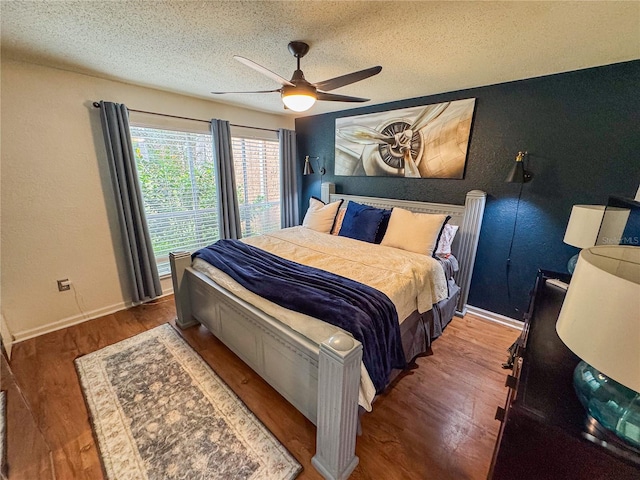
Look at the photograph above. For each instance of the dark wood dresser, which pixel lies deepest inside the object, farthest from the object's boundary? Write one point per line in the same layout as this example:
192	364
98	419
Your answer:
545	432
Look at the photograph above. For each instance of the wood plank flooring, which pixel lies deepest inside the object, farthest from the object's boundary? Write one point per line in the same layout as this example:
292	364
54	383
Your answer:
436	422
27	454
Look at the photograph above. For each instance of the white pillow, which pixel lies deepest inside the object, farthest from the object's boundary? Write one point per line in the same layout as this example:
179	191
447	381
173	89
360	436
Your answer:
320	216
446	240
414	232
338	223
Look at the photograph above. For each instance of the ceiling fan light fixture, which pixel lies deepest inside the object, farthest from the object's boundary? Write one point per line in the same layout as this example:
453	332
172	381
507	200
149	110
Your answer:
299	98
299	103
300	95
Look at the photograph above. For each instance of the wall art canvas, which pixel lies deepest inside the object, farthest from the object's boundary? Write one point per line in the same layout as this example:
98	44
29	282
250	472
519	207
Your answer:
429	141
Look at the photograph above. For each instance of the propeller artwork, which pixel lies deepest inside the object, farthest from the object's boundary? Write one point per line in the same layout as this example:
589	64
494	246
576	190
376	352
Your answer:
401	143
298	94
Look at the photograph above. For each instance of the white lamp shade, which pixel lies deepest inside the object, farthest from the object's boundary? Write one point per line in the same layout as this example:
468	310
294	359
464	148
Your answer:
600	316
584	224
299	103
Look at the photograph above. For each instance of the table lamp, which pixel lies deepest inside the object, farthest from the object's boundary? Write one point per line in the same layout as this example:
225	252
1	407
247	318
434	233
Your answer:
582	229
600	323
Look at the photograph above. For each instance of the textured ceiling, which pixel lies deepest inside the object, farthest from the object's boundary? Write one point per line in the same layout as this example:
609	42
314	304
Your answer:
424	47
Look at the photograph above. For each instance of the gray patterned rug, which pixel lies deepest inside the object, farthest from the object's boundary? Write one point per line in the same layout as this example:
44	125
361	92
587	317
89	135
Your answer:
159	412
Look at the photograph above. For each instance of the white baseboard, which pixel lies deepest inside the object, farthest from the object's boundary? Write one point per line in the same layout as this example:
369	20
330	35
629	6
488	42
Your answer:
76	319
495	317
69	321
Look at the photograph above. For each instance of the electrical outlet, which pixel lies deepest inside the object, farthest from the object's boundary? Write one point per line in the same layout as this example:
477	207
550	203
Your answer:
64	285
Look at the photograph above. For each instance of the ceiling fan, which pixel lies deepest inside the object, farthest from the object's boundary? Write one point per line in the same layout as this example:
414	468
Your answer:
298	94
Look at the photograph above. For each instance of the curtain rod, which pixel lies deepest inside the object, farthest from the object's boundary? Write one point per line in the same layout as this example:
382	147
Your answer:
97	105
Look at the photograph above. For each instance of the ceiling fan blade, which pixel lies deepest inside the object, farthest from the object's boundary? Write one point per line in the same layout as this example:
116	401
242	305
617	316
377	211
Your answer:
347	79
262	70
332	97
257	91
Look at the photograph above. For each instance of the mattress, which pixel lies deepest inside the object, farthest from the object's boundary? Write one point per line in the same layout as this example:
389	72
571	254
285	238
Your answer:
413	282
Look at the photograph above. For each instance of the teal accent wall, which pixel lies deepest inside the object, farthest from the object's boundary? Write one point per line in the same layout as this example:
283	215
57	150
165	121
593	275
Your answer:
582	132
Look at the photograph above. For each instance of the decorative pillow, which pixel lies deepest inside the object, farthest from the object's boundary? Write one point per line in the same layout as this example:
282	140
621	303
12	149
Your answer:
320	216
383	226
361	222
338	223
414	232
446	240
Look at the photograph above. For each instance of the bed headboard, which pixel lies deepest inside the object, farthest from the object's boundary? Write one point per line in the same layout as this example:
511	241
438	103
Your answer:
468	217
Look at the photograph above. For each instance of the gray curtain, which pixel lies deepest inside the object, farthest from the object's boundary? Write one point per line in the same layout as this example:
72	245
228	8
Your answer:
137	243
289	209
228	211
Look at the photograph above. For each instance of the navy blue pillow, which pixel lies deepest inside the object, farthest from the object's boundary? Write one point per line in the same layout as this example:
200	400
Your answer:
361	222
382	229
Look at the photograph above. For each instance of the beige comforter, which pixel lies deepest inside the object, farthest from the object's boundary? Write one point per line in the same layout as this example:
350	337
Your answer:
412	281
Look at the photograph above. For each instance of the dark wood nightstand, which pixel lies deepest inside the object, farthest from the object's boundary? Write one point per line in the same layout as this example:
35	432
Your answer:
545	431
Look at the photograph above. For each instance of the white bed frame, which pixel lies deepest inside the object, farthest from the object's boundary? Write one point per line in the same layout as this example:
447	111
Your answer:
321	381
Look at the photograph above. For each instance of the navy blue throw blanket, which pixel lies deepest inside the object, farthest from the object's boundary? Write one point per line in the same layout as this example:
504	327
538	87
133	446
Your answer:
363	311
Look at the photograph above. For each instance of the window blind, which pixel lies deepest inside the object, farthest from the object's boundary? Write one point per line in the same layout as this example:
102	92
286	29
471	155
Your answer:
257	171
179	190
178	185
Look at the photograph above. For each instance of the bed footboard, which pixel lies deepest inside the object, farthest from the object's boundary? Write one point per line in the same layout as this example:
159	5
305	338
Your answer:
337	423
321	381
179	263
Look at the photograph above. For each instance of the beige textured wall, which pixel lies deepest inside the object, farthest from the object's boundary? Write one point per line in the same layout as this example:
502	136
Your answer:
58	218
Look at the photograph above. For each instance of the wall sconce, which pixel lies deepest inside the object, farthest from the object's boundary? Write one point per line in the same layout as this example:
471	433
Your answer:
518	174
308	168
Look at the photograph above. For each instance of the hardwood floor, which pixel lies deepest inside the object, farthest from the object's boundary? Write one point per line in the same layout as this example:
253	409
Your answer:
27	455
436	422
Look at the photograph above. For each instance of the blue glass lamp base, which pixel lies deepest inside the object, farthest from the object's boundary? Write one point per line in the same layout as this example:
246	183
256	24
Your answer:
571	265
614	406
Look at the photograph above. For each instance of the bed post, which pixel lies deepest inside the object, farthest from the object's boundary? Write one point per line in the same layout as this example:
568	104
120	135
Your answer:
470	233
179	261
337	420
326	190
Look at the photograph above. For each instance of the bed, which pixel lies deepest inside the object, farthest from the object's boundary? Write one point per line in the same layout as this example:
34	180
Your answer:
320	377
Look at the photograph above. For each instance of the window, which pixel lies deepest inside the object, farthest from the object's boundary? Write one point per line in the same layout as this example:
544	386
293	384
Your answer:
257	169
179	188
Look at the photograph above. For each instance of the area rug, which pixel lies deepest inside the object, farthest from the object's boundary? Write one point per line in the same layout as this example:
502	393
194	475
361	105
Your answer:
159	412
